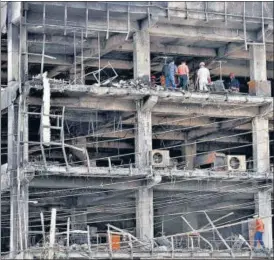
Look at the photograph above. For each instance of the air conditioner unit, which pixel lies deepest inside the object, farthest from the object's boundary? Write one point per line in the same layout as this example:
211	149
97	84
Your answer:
236	162
160	158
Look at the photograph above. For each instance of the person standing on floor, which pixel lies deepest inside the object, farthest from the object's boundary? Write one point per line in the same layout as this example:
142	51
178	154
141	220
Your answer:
203	77
183	73
165	74
234	84
259	230
172	70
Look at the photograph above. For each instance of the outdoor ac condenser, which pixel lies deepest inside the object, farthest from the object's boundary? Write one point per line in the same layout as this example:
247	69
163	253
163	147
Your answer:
160	158
236	162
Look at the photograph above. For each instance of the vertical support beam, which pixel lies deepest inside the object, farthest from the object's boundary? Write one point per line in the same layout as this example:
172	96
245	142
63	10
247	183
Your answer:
144	196
13	75
24	132
144	214
141	55
258	69
189	151
263	209
12	167
78	220
52	233
143	138
13	52
260	139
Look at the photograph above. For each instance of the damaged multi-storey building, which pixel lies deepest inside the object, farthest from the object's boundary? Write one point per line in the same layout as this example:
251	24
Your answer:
98	161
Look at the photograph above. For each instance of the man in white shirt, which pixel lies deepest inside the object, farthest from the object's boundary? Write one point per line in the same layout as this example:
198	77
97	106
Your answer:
203	77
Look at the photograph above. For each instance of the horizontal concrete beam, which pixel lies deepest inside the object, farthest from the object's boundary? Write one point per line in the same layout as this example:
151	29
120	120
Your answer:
176	10
203	187
161	108
237	51
108	104
201	33
172	49
106	47
238	70
55	60
59	182
104	172
175	121
61	40
174	135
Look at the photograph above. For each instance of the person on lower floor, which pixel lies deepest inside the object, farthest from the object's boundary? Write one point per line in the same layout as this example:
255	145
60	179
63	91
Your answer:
203	77
183	74
234	84
172	70
165	74
258	238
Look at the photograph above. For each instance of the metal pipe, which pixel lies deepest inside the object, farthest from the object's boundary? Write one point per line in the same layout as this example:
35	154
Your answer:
82	58
65	18
128	20
206	14
225	12
44	16
18	158
86	19
148	14
245	28
74	50
43	54
74	27
263	32
0	169
107	36
99	58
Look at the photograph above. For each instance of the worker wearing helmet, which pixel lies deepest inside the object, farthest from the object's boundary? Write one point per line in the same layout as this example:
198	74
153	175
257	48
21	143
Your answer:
234	84
259	232
203	77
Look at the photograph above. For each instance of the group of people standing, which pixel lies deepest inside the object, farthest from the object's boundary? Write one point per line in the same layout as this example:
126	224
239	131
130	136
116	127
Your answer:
173	76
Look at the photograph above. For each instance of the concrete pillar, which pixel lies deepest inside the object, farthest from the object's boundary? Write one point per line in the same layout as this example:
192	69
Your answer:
260	136
189	152
143	137
12	168
257	63
141	55
78	220
263	207
13	75
144	214
144	196
258	86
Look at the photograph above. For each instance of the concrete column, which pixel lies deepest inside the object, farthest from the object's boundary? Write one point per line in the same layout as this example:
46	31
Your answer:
144	214
78	220
143	136
189	151
261	152
263	207
258	69
12	168
24	133
144	196
141	55
259	86
13	75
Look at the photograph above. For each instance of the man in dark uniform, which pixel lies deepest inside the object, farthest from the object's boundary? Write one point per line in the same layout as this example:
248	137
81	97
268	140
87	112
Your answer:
234	84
